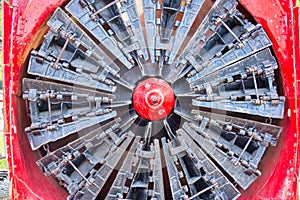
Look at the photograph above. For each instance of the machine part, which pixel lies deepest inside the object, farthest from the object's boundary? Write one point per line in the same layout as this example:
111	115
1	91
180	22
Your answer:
194	121
153	99
231	70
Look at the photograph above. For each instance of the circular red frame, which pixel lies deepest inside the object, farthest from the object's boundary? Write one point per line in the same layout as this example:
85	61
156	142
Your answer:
22	22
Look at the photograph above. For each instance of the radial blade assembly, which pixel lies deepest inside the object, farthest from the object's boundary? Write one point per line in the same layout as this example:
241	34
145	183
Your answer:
95	16
60	60
246	86
236	144
97	138
63	26
177	188
130	8
85	164
203	179
223	38
59	110
190	12
150	8
140	168
161	20
268	134
151	99
118	187
100	176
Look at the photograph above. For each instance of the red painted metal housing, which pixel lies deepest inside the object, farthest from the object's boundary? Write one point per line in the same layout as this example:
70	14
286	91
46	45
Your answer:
22	22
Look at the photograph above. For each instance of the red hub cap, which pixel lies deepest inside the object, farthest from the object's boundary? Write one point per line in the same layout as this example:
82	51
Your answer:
153	99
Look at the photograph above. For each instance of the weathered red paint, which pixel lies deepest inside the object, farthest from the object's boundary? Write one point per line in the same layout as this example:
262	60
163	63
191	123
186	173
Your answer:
22	19
153	99
281	166
280	18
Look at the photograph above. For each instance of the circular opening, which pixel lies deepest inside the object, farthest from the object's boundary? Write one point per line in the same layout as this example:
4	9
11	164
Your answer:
211	117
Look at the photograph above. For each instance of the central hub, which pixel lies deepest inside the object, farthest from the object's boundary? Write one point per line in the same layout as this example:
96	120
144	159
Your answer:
153	99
